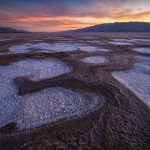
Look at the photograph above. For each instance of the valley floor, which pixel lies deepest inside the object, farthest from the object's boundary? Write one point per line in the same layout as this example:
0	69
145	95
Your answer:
75	91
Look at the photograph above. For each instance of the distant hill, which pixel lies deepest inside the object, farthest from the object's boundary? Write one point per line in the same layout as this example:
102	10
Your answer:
10	30
118	27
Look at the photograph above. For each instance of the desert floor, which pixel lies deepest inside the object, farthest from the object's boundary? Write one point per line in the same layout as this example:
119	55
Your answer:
75	91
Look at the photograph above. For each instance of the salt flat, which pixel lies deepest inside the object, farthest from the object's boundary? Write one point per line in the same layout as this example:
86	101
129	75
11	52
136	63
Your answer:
66	90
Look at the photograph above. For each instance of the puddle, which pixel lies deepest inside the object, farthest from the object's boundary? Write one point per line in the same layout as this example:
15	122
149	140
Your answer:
137	79
95	59
142	50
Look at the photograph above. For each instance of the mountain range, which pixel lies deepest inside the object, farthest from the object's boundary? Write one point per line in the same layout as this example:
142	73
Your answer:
10	30
118	27
107	27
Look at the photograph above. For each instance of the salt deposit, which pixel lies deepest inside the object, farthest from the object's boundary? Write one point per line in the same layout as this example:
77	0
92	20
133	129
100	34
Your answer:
57	47
1	40
138	79
121	43
144	50
24	48
133	41
92	49
95	59
45	106
52	104
139	41
36	69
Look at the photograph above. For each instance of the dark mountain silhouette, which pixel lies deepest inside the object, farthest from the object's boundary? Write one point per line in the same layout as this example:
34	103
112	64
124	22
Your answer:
10	30
118	27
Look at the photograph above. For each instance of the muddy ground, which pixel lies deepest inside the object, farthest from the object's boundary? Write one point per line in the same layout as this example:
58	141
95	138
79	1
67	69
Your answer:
122	123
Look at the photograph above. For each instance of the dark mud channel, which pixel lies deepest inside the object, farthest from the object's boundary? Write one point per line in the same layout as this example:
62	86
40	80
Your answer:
122	123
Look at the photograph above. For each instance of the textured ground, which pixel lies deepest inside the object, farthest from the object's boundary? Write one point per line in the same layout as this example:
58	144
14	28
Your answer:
75	91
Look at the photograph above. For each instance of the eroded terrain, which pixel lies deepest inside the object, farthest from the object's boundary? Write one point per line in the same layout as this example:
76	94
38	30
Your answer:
75	91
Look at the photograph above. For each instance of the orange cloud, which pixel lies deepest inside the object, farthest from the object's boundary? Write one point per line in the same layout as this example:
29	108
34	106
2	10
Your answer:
58	16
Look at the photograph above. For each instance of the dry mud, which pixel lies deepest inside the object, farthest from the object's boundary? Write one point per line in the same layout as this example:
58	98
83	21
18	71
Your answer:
120	118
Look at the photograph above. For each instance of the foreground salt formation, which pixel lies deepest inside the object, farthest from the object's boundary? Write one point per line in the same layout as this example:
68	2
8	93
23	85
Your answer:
43	107
95	59
137	79
46	106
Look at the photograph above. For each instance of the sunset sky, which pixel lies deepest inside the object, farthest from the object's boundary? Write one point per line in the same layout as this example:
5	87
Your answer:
59	15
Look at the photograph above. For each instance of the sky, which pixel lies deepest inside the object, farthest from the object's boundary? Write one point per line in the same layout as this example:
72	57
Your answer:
60	15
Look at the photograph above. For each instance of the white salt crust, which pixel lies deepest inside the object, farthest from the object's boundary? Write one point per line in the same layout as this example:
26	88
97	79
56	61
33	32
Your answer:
2	40
133	41
144	50
137	79
35	69
95	59
46	106
43	107
121	43
57	47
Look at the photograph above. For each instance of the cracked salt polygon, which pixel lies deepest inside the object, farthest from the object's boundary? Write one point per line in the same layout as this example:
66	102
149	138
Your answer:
133	41
119	40
144	50
137	79
52	104
21	48
65	47
121	43
1	40
95	41
139	41
95	59
47	106
92	49
36	69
